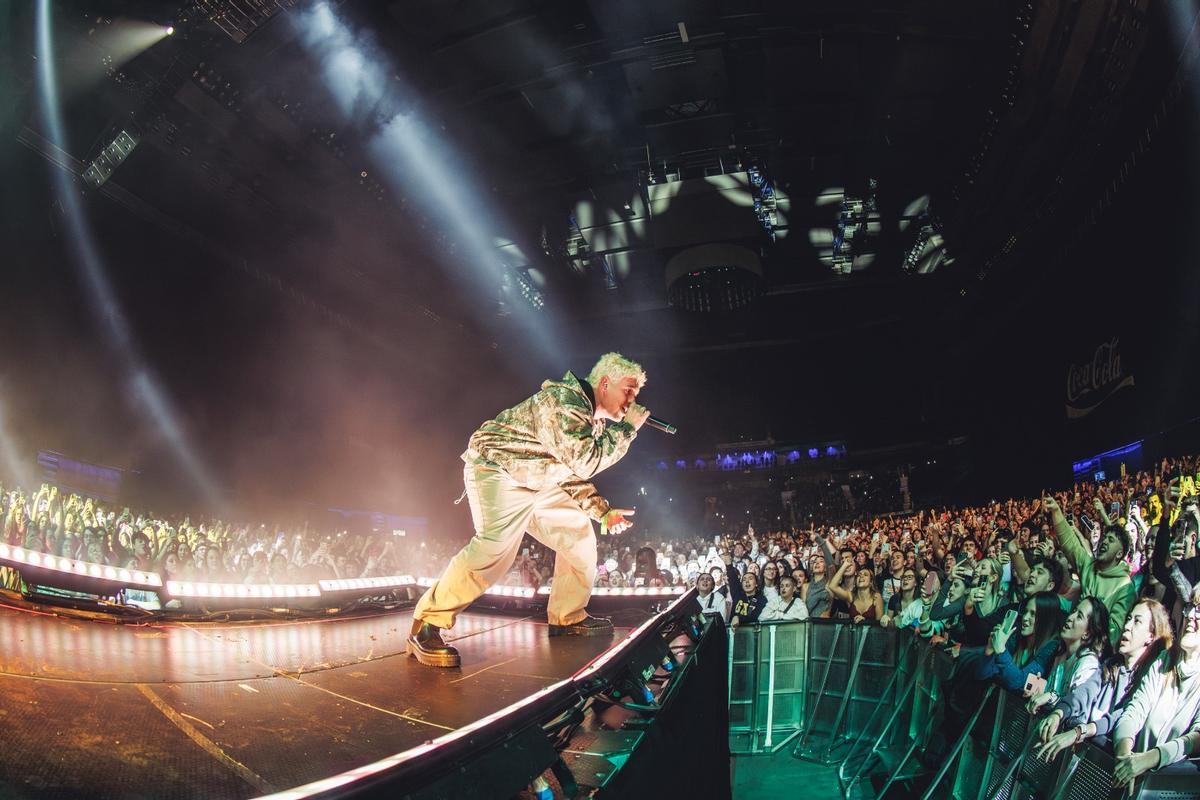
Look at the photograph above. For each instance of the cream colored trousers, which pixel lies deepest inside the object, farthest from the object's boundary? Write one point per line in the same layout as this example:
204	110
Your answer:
503	512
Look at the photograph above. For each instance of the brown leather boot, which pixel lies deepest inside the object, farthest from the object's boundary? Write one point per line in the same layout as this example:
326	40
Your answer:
588	626
426	645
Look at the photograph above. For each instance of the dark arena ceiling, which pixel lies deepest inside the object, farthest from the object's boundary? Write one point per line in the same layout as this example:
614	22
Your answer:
591	143
703	179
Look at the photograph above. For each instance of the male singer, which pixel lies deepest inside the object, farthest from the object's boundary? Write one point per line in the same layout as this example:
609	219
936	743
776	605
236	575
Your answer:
529	470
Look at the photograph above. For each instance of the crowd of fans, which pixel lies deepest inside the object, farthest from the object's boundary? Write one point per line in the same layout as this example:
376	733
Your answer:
1086	603
1083	601
75	527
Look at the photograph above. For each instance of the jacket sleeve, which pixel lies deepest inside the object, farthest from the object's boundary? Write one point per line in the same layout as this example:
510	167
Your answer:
1179	748
941	611
757	604
734	581
1011	676
827	551
1182	585
1122	603
565	428
1108	721
772	612
1162	548
587	496
1071	543
1076	704
1141	703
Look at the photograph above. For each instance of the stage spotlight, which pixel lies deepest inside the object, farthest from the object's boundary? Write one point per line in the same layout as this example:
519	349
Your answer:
89	259
170	30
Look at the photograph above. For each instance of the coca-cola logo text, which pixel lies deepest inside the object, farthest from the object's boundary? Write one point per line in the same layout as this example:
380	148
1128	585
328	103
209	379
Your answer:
1103	370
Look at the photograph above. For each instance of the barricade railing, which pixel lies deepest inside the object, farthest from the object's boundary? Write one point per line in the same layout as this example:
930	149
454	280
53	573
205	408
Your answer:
767	685
887	707
818	680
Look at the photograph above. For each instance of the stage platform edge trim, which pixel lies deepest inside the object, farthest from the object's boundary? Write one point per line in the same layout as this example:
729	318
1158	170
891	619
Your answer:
541	704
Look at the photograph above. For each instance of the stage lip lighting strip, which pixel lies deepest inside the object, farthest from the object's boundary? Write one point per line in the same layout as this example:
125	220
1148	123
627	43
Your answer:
84	569
589	672
242	591
557	692
549	696
354	584
630	591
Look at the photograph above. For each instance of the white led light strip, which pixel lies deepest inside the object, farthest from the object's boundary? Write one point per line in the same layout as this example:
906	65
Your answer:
616	650
629	591
512	591
336	781
333	782
85	569
241	590
349	584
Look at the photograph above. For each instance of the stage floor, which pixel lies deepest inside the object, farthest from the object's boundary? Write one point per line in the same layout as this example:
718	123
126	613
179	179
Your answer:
209	710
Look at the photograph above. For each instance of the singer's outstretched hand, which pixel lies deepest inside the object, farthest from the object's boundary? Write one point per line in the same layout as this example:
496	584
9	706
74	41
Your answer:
615	522
637	416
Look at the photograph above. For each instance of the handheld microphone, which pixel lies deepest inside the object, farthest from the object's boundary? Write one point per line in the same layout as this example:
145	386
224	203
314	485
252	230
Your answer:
659	425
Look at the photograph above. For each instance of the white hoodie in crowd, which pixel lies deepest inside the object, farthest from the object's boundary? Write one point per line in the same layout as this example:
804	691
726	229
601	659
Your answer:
779	611
1164	709
715	602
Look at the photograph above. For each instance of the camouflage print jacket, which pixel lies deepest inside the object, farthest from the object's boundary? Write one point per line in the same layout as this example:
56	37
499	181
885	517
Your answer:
553	439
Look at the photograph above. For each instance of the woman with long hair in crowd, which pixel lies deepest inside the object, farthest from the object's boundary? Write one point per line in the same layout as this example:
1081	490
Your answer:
951	594
1009	659
906	605
1161	723
865	601
770	580
1093	707
784	568
1082	646
169	567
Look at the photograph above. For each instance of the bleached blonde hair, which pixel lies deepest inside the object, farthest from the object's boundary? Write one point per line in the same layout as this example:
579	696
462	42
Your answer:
617	367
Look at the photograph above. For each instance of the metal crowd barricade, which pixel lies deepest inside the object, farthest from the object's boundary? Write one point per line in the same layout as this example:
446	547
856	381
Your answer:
767	685
852	672
877	702
903	717
822	681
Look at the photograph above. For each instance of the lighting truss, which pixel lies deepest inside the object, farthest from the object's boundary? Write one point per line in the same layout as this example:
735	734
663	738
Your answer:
928	252
763	192
579	251
857	218
529	291
110	158
237	19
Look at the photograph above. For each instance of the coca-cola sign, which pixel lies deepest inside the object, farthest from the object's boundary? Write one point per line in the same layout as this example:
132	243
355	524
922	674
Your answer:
1092	382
